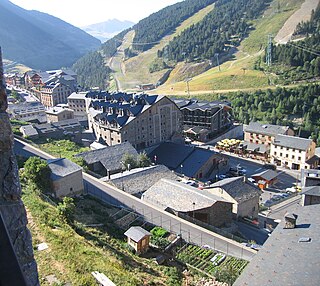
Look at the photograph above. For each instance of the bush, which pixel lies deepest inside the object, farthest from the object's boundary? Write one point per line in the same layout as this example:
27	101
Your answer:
158	231
37	171
66	209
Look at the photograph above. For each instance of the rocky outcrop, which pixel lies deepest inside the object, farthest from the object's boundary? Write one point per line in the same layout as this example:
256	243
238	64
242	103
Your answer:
11	206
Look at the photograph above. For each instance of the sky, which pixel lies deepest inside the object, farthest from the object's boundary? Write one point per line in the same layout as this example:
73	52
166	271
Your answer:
85	12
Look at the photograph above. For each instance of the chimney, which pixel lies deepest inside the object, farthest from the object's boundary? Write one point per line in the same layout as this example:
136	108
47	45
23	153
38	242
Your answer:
290	221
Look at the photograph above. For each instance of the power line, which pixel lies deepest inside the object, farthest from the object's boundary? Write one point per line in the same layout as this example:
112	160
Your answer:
309	50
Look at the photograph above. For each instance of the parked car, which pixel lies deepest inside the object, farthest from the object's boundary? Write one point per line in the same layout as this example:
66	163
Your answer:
291	190
251	180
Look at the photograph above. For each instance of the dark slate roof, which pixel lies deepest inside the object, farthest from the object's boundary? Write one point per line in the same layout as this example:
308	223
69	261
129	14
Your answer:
179	196
266	129
165	151
194	161
292	142
136	233
61	168
311	191
266	175
283	260
139	180
238	189
110	157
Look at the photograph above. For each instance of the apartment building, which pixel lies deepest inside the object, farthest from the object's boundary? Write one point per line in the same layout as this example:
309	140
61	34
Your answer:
143	120
264	134
79	103
54	93
202	120
293	152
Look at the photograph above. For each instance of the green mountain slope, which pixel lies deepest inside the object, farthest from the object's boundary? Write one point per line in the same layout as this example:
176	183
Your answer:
39	40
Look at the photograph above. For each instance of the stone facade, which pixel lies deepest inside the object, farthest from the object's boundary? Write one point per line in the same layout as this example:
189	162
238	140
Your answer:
11	206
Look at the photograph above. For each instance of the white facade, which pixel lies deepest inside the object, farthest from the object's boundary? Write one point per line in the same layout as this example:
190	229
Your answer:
295	154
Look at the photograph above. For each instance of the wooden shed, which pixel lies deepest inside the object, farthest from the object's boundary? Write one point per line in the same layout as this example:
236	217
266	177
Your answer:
138	238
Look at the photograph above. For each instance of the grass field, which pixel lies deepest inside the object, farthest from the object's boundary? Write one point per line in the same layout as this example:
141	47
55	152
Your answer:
74	252
238	73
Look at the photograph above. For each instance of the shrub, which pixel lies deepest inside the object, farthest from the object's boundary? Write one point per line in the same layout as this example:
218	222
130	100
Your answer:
158	231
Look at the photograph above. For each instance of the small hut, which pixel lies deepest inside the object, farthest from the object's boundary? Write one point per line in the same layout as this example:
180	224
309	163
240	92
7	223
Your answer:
138	238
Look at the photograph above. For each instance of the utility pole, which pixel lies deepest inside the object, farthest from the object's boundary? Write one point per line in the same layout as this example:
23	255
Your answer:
269	51
188	86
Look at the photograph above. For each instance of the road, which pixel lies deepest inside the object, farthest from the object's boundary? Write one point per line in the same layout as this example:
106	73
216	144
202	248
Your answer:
188	231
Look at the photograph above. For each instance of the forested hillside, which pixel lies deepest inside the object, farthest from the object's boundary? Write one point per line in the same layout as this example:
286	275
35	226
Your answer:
153	28
92	71
299	107
219	31
300	60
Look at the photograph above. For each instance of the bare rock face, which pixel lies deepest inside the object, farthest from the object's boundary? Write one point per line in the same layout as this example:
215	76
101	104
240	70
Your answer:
11	206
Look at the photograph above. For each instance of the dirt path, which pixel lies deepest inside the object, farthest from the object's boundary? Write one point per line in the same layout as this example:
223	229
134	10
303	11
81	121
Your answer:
303	14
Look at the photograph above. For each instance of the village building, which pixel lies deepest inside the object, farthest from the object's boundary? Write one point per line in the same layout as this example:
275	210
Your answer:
139	180
190	161
266	178
143	120
28	111
79	103
244	196
189	202
293	152
108	160
54	93
138	238
59	113
258	137
59	130
66	177
203	120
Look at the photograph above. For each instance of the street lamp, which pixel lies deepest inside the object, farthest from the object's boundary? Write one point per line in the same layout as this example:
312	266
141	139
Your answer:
194	206
181	166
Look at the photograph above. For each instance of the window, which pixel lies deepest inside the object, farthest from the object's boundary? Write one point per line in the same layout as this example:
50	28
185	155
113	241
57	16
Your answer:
299	158
287	155
280	154
292	157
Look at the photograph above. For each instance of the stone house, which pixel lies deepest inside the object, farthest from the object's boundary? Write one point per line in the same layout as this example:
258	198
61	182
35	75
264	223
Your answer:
189	203
138	238
66	177
244	196
139	180
108	159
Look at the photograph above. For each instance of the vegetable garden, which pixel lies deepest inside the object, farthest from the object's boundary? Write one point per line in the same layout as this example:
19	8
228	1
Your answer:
209	261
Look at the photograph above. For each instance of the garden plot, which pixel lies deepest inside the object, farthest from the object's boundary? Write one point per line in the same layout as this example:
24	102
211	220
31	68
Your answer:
208	260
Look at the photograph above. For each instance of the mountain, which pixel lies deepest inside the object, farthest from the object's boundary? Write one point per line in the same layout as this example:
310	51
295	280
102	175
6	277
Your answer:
108	29
39	40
